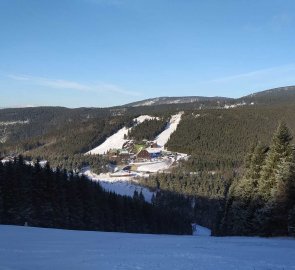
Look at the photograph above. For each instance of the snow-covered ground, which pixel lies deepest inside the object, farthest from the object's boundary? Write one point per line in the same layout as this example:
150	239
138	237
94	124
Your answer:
201	231
46	249
155	167
120	185
42	163
163	137
116	141
142	118
126	188
12	123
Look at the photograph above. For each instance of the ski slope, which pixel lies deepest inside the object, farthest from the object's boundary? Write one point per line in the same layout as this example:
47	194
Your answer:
116	141
163	137
120	185
126	188
46	249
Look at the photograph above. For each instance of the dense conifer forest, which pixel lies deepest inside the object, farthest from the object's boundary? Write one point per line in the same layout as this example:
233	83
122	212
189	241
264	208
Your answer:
45	198
259	200
262	201
218	139
147	130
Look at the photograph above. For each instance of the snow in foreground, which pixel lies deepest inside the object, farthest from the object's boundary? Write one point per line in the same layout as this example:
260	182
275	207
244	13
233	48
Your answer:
34	248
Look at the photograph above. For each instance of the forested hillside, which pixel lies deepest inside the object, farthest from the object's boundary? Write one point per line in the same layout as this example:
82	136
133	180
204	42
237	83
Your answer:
147	130
46	198
273	96
260	200
219	139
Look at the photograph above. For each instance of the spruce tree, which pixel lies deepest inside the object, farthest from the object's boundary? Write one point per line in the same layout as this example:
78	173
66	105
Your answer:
274	185
241	201
280	151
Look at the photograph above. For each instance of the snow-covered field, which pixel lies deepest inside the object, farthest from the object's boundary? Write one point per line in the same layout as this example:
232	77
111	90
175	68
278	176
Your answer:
126	188
120	185
163	137
46	249
156	167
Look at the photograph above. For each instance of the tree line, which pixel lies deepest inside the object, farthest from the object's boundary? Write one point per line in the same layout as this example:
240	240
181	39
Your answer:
57	199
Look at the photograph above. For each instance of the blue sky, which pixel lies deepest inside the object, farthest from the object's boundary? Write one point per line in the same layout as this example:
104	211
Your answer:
107	52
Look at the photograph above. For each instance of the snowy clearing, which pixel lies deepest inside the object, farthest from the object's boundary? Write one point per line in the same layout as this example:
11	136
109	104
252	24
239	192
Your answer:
46	249
156	167
163	137
120	185
201	231
12	123
126	188
116	141
142	118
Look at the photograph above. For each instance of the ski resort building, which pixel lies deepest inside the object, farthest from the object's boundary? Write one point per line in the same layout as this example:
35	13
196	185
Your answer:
149	153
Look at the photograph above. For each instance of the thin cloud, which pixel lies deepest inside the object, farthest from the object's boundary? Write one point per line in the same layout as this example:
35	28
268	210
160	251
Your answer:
113	88
252	81
257	74
58	84
71	85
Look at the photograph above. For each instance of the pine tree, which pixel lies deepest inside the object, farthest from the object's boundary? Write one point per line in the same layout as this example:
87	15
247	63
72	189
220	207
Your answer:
241	203
262	201
291	221
281	196
274	185
280	151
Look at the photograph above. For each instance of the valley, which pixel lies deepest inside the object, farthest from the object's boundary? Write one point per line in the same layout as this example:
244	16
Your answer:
147	135
184	156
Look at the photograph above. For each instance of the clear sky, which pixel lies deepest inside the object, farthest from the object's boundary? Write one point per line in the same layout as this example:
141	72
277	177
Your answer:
107	52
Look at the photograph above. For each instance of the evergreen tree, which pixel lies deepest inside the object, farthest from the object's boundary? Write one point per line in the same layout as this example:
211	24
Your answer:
274	185
280	151
241	202
262	201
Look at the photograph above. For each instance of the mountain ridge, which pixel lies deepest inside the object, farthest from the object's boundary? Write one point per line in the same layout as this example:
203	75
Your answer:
255	96
267	96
